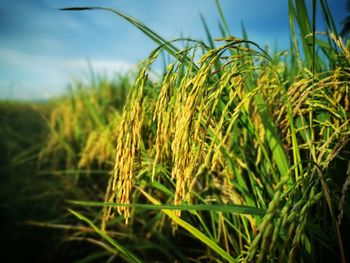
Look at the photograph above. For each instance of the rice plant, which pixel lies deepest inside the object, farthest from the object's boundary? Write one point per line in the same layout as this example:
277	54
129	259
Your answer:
81	138
240	150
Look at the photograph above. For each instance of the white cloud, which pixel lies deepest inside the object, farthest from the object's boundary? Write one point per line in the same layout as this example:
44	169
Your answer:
30	76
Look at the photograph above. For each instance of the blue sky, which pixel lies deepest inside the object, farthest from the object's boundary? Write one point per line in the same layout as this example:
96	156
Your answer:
43	49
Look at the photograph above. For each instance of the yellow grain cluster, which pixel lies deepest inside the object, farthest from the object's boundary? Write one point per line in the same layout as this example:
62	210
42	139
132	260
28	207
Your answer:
65	128
163	117
191	125
128	148
100	144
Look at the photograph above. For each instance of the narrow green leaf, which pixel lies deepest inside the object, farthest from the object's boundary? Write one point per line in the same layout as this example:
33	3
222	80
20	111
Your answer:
167	45
191	229
126	253
272	136
207	32
237	209
225	27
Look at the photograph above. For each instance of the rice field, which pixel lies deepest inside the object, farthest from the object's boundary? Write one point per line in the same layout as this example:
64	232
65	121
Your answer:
235	154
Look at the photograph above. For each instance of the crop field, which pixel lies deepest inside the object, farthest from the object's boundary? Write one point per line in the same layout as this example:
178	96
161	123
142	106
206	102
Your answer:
234	154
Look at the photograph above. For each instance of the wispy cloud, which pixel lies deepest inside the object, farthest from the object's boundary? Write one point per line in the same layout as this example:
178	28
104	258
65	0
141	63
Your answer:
30	76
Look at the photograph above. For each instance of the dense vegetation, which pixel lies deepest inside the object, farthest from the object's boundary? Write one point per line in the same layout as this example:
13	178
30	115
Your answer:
235	154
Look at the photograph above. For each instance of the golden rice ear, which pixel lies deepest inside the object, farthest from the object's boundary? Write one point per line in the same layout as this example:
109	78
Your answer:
163	117
128	148
341	44
100	144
